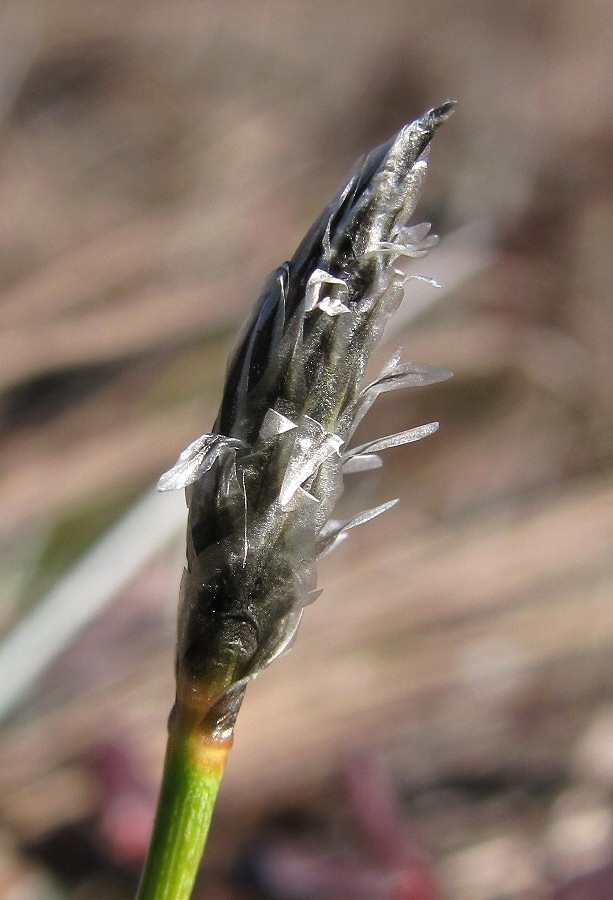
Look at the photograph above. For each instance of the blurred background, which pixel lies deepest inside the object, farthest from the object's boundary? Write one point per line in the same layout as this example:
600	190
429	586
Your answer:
444	725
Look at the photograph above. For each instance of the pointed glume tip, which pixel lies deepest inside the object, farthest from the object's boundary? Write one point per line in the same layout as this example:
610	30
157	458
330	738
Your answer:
429	122
441	113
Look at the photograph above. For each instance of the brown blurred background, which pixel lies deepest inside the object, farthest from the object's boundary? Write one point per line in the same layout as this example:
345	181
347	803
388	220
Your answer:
157	159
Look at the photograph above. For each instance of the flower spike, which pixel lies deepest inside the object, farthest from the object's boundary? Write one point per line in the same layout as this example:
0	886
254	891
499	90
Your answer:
262	487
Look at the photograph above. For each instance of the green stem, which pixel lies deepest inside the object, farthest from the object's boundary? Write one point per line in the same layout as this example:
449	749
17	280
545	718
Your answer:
192	773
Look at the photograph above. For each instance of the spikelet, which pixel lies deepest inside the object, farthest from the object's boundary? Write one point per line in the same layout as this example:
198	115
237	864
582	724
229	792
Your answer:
262	487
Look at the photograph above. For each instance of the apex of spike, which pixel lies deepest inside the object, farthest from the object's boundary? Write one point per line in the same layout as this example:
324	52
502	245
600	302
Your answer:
413	138
440	114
